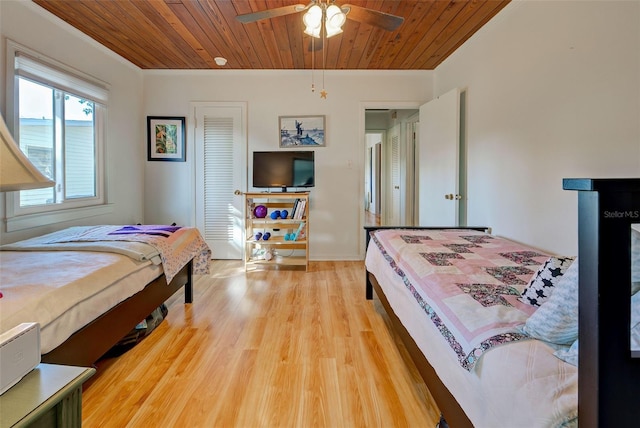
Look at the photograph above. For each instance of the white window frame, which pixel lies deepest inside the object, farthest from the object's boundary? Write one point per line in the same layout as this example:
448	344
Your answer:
40	68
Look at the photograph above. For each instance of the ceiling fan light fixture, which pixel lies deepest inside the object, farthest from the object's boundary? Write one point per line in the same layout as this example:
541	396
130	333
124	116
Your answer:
332	31
324	13
313	21
313	32
335	17
332	16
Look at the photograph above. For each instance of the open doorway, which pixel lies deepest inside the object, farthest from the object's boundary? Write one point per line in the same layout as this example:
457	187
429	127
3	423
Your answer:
389	181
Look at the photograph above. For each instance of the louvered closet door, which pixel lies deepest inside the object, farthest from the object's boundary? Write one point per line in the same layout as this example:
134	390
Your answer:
221	170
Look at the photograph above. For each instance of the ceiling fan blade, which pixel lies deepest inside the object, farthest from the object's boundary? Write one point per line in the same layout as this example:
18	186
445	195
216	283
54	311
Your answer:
383	20
271	13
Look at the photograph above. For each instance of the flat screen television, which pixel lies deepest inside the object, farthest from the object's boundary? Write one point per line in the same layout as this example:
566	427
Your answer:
283	169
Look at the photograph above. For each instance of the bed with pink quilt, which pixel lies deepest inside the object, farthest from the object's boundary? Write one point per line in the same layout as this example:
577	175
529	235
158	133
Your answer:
88	287
493	326
459	296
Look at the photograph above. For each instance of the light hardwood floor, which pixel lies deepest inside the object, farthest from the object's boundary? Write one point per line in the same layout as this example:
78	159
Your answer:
265	349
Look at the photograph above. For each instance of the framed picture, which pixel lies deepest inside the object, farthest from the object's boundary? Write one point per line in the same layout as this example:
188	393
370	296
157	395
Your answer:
166	141
302	131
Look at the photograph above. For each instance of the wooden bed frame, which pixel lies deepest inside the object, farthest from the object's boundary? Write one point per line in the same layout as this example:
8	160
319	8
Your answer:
92	341
449	407
609	376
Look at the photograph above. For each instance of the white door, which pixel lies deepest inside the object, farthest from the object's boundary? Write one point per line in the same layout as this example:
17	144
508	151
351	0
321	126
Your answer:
377	172
221	169
438	166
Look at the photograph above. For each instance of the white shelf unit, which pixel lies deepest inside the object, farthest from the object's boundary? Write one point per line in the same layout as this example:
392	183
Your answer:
283	253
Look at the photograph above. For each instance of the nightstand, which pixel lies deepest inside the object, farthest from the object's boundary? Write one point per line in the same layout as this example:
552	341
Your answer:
48	396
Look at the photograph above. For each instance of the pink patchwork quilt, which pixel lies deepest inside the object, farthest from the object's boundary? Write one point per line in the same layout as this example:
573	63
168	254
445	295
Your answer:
467	282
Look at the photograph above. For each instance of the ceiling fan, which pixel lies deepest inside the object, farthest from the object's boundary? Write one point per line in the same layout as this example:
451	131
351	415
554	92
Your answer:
324	19
331	17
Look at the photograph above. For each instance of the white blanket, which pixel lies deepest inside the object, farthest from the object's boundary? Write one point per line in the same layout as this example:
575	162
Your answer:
175	246
58	241
64	290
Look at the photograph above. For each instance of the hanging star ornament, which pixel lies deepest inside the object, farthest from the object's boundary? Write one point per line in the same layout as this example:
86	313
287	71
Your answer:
323	94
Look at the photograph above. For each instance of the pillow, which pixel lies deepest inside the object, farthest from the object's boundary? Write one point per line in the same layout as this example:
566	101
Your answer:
556	321
569	355
543	282
635	311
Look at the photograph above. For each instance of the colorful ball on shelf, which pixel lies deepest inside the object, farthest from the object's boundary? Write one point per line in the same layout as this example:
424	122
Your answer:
258	236
266	236
284	214
275	214
260	211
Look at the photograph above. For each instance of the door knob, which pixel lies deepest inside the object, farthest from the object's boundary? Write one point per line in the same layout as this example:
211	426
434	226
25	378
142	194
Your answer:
449	196
237	192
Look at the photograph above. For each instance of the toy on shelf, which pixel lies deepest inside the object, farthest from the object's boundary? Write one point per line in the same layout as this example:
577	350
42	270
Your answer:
276	222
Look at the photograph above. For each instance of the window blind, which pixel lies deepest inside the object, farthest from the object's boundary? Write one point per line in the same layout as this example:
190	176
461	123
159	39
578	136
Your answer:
40	71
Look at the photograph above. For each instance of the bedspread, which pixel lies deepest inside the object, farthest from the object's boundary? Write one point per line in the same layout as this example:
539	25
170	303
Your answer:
175	245
65	290
139	251
467	282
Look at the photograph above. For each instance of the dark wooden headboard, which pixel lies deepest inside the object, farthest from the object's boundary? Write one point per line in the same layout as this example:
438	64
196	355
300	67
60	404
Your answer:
609	378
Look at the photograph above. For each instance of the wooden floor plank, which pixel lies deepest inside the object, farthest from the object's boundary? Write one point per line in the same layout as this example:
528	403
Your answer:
265	349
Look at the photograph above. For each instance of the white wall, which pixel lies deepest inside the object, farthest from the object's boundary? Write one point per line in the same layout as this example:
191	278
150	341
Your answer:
26	23
336	200
553	91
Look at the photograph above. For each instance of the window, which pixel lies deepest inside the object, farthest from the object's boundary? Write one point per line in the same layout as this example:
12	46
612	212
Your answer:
58	117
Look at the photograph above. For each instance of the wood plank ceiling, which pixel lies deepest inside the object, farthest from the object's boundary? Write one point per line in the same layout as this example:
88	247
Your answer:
189	34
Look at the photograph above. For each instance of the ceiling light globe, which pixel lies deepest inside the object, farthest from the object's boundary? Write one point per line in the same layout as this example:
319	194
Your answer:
335	16
313	17
313	21
332	31
313	32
